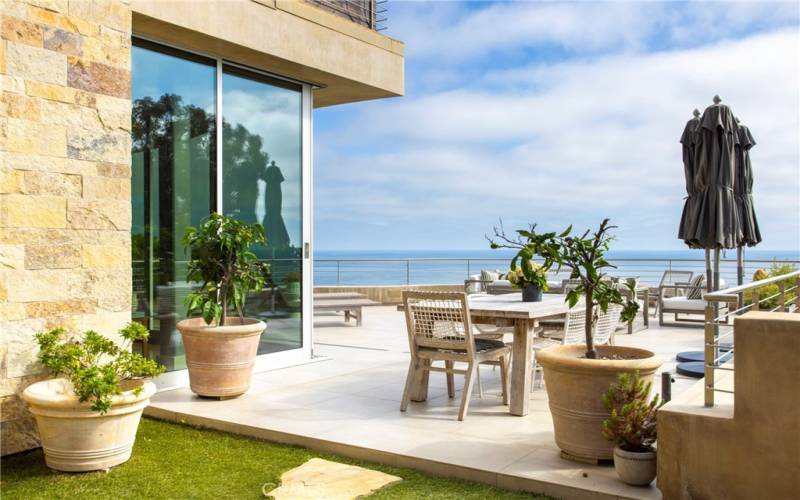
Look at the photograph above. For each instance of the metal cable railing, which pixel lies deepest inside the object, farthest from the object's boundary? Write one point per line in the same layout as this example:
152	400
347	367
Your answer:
719	348
454	270
369	13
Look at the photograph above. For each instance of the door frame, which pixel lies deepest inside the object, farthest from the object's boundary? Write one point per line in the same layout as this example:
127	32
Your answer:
303	354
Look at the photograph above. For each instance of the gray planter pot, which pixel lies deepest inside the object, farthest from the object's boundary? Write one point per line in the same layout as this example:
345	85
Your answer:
635	468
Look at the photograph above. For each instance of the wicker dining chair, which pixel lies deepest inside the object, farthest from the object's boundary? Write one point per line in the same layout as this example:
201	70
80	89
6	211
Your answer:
573	333
440	329
606	325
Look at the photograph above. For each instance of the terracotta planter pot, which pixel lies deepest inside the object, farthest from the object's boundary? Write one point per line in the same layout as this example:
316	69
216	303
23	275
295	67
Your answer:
220	358
635	468
76	438
575	387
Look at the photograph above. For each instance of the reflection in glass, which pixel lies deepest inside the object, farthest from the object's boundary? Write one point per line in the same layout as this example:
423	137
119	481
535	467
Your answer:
173	162
262	182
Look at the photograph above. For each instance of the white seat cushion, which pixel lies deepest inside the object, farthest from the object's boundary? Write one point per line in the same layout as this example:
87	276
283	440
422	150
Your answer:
684	304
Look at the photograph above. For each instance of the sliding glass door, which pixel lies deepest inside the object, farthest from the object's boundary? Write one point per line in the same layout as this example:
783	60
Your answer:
262	182
211	136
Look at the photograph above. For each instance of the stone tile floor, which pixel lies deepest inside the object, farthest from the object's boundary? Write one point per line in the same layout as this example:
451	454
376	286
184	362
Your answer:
347	401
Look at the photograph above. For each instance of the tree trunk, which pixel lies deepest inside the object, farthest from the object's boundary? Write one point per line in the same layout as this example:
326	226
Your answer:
590	352
224	297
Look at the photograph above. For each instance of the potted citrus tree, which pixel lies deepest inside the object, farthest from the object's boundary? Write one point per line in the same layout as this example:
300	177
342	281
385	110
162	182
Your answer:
220	348
632	428
88	415
524	272
576	376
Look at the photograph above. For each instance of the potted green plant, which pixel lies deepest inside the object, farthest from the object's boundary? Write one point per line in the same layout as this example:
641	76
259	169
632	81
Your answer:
524	272
632	428
576	376
220	349
88	416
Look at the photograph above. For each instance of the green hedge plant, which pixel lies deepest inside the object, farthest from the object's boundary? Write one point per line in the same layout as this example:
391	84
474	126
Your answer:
95	365
223	264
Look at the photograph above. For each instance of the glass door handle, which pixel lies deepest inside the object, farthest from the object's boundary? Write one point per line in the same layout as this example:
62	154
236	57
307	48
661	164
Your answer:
306	250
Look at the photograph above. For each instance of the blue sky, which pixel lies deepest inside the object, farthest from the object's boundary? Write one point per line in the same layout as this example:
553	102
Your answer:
557	113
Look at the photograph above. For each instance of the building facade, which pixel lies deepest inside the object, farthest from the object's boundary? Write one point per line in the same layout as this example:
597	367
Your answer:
123	123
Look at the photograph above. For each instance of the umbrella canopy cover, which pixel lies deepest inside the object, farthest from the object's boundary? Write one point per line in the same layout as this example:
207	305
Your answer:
716	216
751	236
689	141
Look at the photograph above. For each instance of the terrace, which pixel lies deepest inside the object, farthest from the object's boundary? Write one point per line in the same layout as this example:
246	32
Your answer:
346	401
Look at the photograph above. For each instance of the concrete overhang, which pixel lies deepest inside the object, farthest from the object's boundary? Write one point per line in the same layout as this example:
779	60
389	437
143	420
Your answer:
346	61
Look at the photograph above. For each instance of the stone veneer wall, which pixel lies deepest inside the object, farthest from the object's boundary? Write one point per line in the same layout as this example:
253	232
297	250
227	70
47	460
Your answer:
65	208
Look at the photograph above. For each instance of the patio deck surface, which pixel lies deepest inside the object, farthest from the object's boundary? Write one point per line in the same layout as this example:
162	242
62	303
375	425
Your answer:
347	402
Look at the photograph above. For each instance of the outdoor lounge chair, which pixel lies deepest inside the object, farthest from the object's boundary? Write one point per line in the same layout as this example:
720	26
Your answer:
686	298
669	279
440	329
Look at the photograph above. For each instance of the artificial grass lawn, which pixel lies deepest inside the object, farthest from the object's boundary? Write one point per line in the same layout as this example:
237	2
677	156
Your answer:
178	461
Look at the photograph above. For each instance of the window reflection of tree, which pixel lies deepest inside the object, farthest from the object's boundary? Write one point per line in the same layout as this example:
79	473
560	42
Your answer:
180	138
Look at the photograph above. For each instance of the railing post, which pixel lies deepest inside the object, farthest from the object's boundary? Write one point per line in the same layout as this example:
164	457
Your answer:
408	272
782	296
338	282
756	300
710	355
469	271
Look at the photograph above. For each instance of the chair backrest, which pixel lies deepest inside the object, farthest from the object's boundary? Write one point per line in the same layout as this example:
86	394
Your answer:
438	320
606	324
574	327
673	277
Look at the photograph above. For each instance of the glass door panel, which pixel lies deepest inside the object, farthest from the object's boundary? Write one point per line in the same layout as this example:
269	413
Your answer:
262	182
173	181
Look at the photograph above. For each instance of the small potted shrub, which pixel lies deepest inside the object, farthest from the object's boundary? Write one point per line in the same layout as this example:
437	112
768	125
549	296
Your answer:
632	428
87	418
576	376
220	349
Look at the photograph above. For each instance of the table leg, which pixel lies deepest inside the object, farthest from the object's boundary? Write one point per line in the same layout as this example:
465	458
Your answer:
419	388
521	366
647	307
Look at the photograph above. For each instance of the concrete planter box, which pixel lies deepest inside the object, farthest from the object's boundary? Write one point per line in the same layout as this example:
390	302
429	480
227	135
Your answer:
575	386
220	359
76	438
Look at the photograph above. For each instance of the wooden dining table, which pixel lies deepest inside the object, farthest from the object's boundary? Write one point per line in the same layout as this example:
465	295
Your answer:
510	310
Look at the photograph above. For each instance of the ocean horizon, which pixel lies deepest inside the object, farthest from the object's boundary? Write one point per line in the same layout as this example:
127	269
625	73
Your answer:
416	267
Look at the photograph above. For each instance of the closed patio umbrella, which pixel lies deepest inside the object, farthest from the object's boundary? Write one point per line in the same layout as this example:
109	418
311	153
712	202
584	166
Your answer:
689	145
751	236
712	221
717	218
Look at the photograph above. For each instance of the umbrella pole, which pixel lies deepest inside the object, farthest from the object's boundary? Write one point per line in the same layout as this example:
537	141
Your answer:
716	304
740	272
709	277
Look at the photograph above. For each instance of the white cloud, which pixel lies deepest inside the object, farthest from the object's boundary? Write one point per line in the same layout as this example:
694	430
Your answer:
565	142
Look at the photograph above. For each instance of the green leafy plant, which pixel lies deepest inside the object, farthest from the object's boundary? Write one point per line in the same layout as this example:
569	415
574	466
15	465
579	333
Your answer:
96	365
632	424
222	262
528	244
769	295
584	255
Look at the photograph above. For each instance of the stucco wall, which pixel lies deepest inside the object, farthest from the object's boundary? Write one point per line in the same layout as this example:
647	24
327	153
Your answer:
345	61
65	209
752	448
